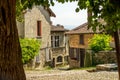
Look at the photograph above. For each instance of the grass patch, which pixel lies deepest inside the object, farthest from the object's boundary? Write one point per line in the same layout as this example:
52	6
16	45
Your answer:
48	68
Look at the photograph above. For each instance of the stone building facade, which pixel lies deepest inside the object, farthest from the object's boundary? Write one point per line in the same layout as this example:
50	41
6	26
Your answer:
59	45
37	24
78	43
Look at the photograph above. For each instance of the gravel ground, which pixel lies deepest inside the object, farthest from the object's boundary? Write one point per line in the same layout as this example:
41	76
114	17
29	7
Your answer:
71	75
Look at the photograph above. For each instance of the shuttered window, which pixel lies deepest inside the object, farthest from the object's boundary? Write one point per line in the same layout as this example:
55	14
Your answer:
73	53
47	54
76	53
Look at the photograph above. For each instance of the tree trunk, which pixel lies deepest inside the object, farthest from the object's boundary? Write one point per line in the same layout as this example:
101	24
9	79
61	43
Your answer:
11	67
117	45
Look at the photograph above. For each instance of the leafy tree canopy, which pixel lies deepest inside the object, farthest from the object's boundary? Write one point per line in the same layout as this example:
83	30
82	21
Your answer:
100	42
107	10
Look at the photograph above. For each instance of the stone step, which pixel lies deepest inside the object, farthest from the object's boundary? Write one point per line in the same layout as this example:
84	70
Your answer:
107	67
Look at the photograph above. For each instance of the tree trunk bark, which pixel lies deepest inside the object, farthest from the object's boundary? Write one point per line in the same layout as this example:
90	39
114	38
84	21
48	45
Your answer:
117	45
11	67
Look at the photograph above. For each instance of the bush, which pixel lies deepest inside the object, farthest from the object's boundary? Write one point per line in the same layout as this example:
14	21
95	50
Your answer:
30	48
100	42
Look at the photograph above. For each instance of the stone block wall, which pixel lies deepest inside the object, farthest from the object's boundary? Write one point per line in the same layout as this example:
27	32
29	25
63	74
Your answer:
74	63
74	40
104	57
31	18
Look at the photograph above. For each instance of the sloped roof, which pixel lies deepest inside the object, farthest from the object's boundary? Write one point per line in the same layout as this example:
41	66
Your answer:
58	28
47	9
82	29
51	12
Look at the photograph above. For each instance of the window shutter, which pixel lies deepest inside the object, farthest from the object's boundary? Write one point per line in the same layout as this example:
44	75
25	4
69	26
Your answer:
39	29
47	54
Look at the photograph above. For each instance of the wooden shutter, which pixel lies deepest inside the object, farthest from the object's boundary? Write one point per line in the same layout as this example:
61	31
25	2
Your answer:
78	53
39	29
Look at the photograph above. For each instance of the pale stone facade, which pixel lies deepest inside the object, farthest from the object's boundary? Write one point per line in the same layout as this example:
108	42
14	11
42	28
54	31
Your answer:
28	29
59	45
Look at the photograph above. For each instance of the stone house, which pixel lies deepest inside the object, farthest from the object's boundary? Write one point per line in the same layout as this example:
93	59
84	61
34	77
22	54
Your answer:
78	43
58	45
37	24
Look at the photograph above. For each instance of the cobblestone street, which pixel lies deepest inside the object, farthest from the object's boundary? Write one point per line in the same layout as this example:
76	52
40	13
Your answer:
71	75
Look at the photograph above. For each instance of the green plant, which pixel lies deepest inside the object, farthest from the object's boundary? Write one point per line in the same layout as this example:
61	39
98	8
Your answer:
100	42
88	59
30	48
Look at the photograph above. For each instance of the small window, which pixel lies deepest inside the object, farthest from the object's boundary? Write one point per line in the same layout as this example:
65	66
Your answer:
81	39
55	41
59	59
38	58
52	41
39	29
72	53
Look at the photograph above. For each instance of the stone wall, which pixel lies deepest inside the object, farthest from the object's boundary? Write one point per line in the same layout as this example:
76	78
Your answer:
74	40
31	18
61	50
104	57
74	63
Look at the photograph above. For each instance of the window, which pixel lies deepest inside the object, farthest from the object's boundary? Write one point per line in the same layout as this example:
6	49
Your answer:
38	58
55	41
81	39
73	53
77	54
59	59
52	41
48	54
39	29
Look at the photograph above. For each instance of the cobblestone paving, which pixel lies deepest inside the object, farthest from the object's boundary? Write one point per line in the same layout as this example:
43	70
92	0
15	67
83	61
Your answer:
71	75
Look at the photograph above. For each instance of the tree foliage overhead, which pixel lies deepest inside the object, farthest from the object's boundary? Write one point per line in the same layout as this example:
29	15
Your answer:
107	10
100	42
21	5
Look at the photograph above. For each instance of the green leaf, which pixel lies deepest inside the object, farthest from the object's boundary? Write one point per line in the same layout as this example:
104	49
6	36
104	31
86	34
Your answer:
77	9
30	48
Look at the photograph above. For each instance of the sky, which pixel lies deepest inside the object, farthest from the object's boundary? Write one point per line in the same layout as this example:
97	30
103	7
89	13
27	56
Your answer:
66	15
